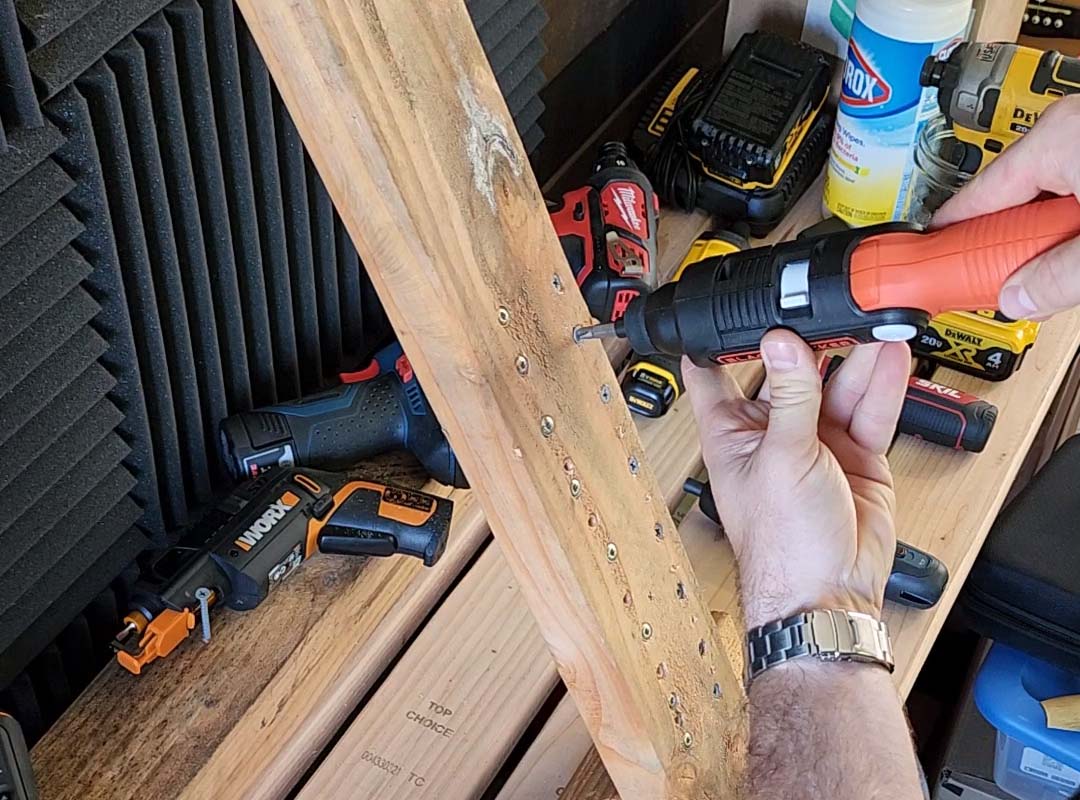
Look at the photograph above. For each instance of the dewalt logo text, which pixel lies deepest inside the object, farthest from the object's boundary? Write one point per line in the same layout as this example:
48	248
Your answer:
961	336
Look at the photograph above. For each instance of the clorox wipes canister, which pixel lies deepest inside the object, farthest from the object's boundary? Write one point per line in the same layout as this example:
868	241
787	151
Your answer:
882	105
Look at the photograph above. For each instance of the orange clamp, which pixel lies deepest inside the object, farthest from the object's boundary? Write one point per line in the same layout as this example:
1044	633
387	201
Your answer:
162	635
962	267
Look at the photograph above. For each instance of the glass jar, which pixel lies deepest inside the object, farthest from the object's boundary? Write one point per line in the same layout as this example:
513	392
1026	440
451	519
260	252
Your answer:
943	166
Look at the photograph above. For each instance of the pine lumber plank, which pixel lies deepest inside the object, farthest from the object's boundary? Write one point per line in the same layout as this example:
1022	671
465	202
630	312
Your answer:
430	721
403	118
713	564
998	20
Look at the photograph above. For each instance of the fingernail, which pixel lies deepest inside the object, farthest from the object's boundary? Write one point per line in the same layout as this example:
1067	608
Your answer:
780	356
1017	303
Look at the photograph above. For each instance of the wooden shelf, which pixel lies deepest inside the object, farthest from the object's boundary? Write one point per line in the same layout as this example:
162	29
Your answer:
384	679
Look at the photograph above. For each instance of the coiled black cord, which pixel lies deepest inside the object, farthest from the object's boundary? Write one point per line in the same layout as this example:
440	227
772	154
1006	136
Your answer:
668	160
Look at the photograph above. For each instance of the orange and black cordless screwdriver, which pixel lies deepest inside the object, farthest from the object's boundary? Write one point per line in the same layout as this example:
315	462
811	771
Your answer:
882	283
257	536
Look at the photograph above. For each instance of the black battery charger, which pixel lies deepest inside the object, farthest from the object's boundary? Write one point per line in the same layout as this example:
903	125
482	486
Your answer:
742	142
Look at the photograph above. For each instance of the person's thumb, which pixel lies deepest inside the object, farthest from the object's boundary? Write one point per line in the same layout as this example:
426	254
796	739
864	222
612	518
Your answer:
1048	284
794	389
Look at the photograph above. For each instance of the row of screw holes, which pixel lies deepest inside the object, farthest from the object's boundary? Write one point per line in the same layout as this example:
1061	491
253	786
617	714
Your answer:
547	428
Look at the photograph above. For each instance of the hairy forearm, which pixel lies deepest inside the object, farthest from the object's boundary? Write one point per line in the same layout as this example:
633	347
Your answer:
830	731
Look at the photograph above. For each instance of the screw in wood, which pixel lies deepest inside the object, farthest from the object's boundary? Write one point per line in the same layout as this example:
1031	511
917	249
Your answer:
556	283
658	529
575	488
504	316
612	551
701	648
673	700
522	365
679	718
634	465
687	740
680	590
605	393
593	520
646	631
717	692
547	426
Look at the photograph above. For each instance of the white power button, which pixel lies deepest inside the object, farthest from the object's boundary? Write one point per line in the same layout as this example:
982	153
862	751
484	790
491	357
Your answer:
895	333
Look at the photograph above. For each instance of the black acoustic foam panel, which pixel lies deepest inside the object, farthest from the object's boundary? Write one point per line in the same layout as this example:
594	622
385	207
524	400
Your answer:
168	256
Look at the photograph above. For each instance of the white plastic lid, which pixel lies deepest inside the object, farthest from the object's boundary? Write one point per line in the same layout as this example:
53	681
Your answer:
915	20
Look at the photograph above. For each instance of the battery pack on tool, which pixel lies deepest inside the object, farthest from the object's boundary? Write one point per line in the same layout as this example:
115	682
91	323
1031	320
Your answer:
742	142
653	383
984	344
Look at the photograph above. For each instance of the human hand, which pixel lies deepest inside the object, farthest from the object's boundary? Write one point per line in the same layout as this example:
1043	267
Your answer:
1043	161
800	480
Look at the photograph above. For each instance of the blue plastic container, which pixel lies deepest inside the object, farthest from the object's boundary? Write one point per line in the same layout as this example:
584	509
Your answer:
1032	762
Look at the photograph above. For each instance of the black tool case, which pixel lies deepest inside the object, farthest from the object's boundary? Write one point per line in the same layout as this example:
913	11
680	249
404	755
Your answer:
1024	589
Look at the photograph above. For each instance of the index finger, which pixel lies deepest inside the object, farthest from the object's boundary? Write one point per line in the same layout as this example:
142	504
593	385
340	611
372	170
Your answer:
1040	162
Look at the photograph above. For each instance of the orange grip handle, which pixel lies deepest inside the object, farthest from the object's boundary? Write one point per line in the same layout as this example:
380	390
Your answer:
962	267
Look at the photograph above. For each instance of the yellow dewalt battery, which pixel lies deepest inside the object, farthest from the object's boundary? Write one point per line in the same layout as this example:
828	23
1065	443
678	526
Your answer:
984	344
711	245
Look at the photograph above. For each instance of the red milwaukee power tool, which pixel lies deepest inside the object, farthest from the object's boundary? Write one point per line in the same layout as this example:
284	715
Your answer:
608	231
882	283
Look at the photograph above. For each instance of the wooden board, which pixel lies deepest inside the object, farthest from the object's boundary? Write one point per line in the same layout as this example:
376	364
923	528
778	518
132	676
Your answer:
402	116
998	20
431	719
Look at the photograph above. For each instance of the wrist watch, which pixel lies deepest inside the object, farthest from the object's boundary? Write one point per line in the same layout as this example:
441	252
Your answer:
826	635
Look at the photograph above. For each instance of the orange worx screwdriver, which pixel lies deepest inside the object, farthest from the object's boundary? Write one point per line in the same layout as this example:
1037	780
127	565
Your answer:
882	283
